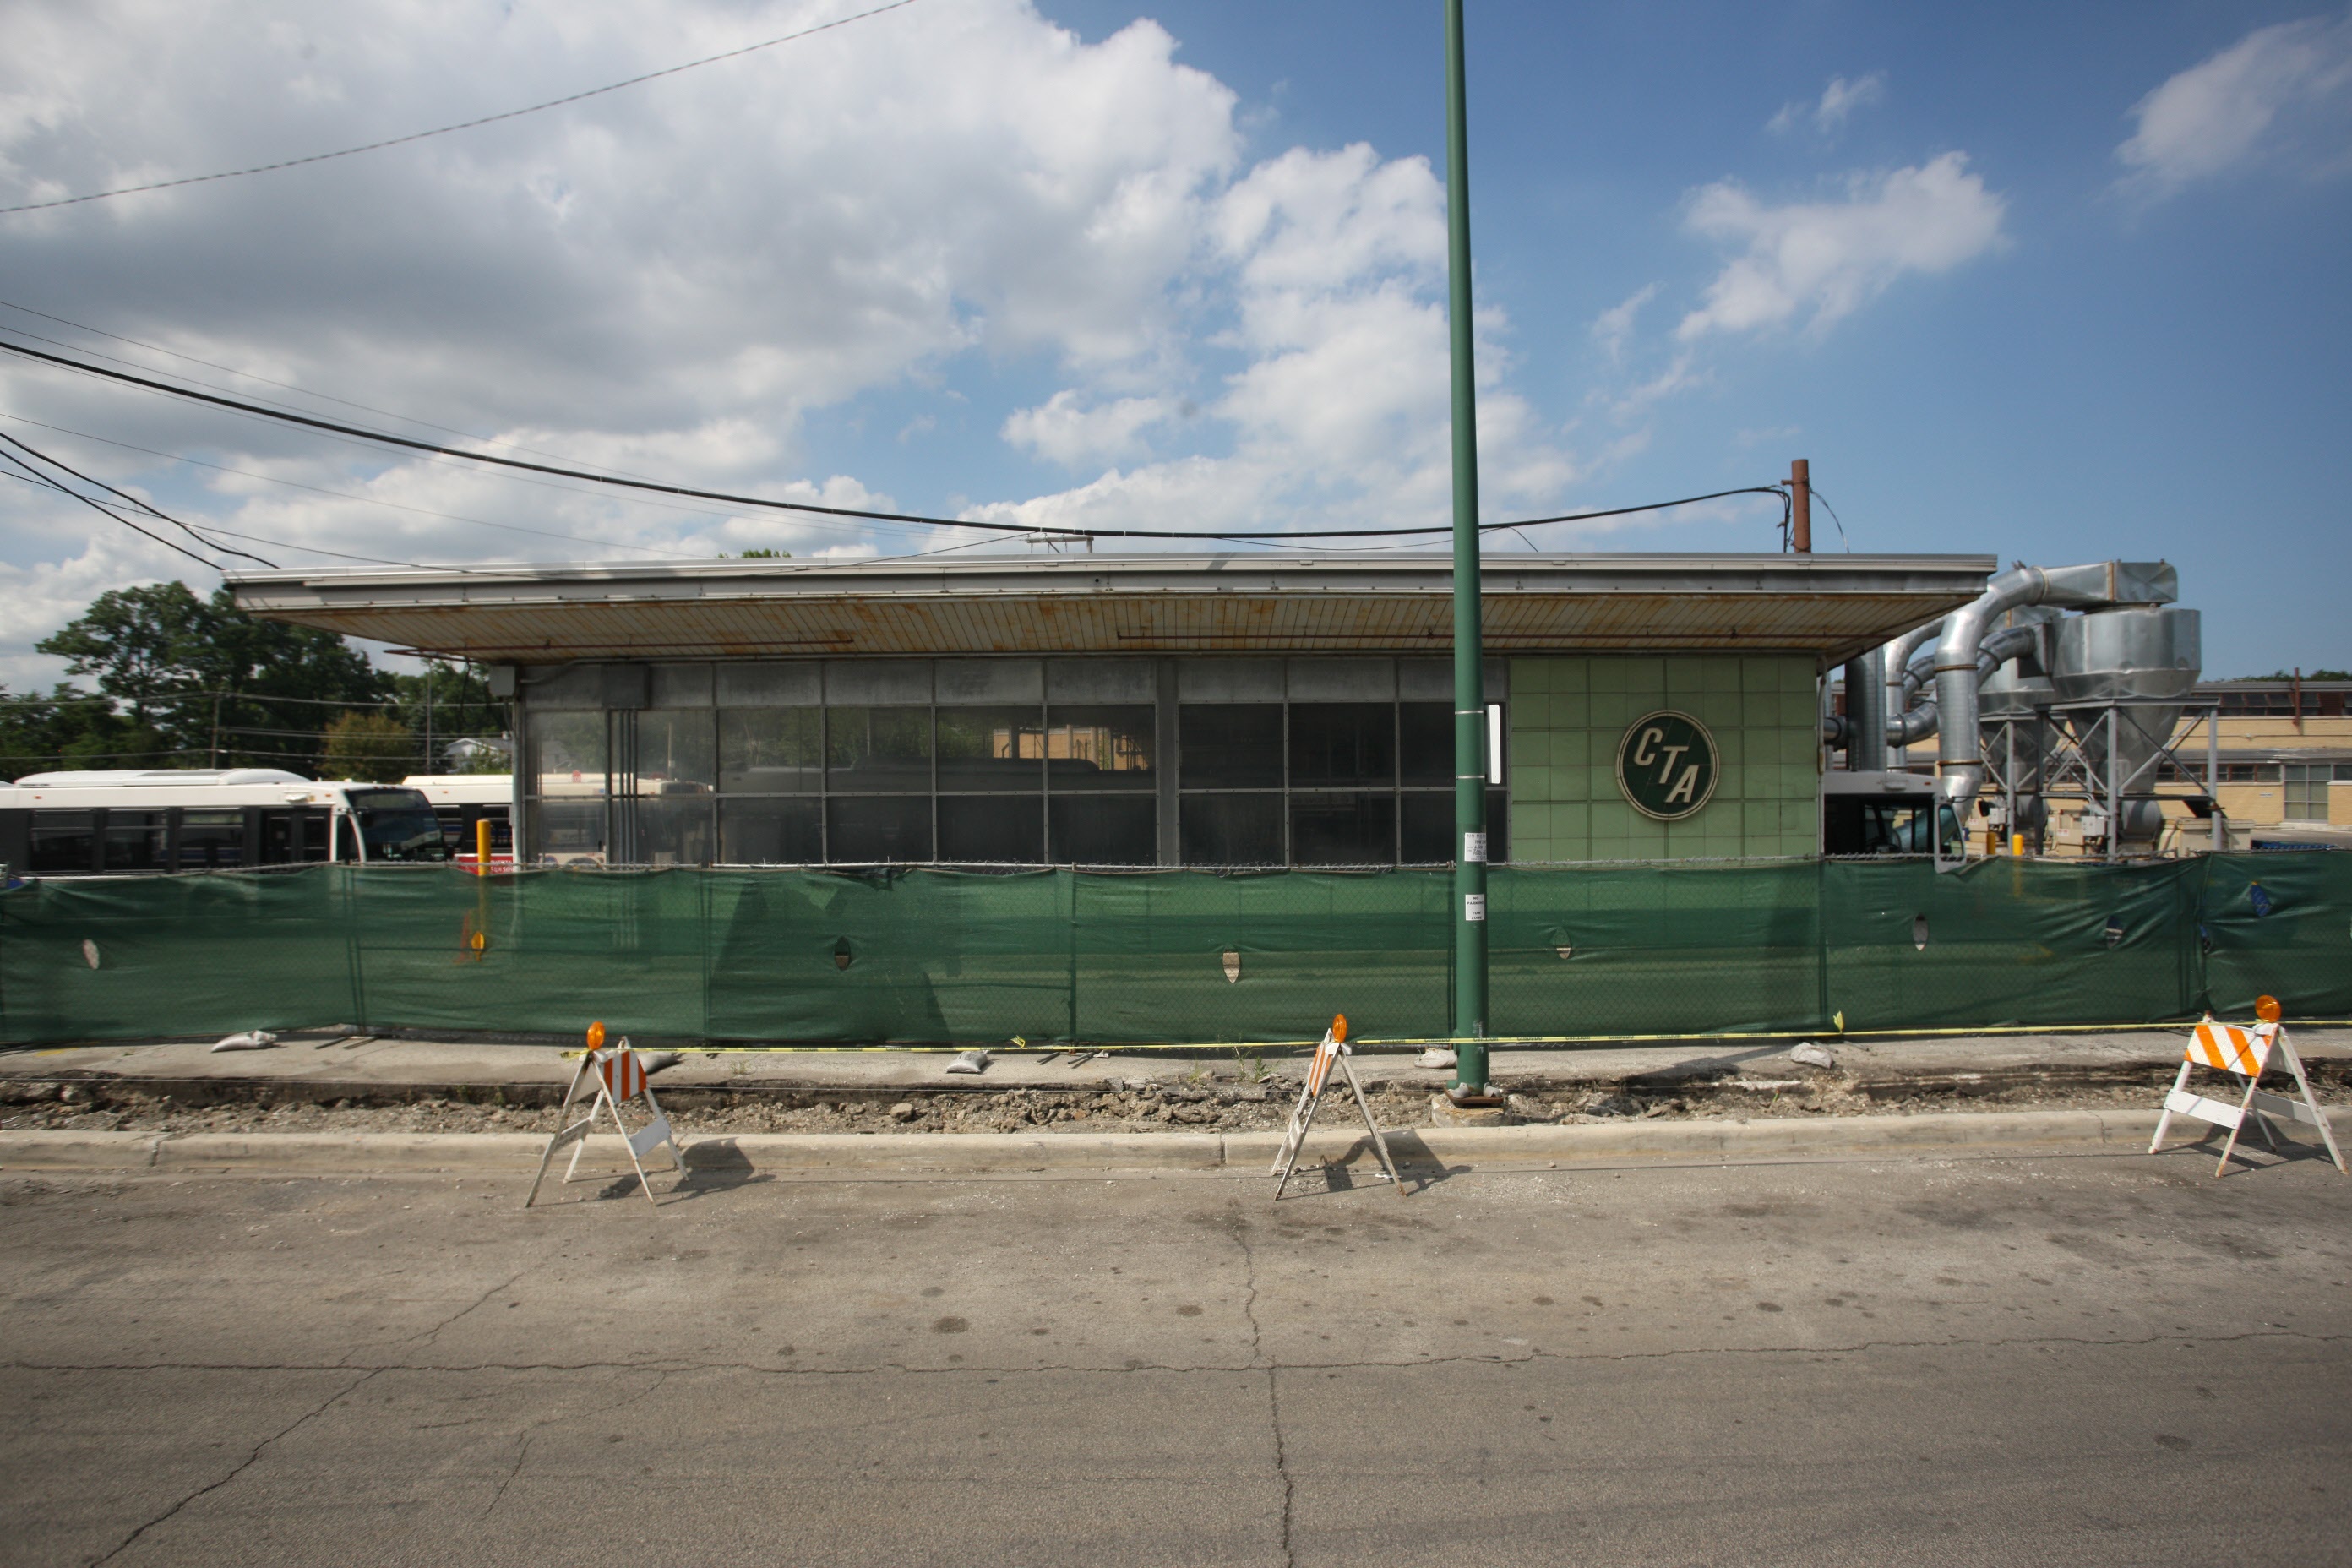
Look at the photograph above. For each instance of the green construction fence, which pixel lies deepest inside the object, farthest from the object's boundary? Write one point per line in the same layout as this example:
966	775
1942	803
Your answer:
939	956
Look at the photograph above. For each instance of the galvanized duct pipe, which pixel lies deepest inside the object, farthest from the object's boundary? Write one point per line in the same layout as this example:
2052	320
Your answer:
1906	722
1918	720
1960	769
1865	711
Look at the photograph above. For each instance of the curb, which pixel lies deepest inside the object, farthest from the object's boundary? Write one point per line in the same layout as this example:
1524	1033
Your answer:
951	1154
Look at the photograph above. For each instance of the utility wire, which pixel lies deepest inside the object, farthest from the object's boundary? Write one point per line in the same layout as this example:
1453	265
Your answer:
727	498
1833	518
35	476
151	510
461	125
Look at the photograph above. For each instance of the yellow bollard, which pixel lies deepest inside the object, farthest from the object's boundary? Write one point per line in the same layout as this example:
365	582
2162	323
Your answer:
482	848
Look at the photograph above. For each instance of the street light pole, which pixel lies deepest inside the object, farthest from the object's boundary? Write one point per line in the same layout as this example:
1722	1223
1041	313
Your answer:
1469	663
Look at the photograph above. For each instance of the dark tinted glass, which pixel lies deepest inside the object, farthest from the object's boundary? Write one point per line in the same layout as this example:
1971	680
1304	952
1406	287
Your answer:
209	839
1100	748
771	751
864	831
1498	825
1356	829
1103	830
135	841
63	841
992	749
1230	745
1426	747
977	828
874	749
770	833
1342	743
568	751
674	751
1426	827
567	830
675	830
1231	829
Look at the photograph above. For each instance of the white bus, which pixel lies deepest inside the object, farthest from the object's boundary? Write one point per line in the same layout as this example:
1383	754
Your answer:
462	800
143	822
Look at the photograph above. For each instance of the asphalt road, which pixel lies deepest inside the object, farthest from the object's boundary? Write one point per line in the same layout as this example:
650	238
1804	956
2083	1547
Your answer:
2080	1360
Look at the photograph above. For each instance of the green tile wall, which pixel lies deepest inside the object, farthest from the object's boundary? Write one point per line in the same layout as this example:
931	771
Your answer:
1569	713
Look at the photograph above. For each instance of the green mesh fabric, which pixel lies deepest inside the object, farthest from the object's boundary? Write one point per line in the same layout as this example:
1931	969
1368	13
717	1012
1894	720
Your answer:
949	957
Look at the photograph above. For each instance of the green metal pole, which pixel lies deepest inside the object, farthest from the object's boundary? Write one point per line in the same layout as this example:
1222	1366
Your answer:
1469	663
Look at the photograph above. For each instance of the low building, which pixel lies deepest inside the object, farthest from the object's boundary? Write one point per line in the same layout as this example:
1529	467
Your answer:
1241	709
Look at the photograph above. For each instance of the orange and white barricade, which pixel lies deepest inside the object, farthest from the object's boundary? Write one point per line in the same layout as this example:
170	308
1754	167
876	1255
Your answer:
619	1075
2247	1053
1331	1052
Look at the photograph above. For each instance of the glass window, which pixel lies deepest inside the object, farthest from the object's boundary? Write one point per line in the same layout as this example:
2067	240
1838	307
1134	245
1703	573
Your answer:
137	841
1100	748
1230	745
64	841
1001	749
1425	744
771	751
754	832
1343	744
567	830
1103	830
977	828
1230	829
1425	828
674	830
868	831
877	749
674	751
1352	829
2306	791
569	752
211	838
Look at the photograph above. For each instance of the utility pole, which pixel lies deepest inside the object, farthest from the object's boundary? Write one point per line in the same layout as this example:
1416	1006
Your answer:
1800	506
1469	660
428	715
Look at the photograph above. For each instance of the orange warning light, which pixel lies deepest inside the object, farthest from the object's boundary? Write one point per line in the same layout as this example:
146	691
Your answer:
2266	1008
597	1035
1339	1028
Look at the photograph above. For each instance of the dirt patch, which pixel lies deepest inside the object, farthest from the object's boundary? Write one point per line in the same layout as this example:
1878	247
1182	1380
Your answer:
103	1106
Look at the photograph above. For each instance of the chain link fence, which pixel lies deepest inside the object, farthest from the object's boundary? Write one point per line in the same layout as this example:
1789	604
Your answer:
1578	954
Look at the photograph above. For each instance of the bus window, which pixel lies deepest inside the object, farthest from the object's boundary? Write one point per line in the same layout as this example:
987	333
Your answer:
315	827
211	839
137	841
347	840
397	825
63	841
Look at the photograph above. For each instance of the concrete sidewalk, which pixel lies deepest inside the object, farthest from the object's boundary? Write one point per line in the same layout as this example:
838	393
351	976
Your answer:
323	1068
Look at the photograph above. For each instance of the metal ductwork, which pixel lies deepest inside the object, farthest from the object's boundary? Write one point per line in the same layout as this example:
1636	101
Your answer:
1905	721
2128	670
1865	711
2104	655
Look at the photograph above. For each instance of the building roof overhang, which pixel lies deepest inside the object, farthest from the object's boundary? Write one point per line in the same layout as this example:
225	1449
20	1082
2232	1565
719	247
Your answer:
1831	606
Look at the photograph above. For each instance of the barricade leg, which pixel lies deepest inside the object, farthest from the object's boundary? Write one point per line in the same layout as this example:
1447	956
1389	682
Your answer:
2246	1109
2311	1102
1380	1144
561	1111
2180	1082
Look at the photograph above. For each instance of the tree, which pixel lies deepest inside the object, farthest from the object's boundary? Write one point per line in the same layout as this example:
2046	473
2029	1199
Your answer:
203	678
73	728
369	746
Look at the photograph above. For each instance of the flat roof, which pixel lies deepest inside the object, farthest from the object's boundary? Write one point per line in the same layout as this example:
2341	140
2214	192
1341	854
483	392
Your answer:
1831	607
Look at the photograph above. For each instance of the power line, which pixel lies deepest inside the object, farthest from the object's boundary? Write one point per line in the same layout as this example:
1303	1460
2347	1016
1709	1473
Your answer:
152	512
35	476
727	498
461	125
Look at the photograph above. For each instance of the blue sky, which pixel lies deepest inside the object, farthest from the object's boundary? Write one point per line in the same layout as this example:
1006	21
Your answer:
2049	283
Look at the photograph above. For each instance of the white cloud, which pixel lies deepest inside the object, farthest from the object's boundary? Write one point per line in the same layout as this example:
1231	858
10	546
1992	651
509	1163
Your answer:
1061	431
672	280
1614	326
1824	259
2218	112
1838	100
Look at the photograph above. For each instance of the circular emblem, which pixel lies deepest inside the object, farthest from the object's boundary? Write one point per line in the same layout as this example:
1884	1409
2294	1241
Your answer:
1667	765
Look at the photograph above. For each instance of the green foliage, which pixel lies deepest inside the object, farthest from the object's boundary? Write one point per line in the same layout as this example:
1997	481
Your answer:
764	555
71	729
369	746
203	681
2306	675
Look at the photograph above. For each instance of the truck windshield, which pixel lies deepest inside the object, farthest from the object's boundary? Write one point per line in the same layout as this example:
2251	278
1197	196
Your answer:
397	825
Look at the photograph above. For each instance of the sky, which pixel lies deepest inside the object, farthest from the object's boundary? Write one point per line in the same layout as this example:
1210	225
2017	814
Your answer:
2051	283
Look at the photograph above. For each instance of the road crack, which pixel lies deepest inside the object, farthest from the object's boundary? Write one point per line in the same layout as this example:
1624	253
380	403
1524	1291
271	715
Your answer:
243	1465
1272	1378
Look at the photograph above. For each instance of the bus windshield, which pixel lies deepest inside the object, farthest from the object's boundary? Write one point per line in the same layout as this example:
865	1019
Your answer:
397	825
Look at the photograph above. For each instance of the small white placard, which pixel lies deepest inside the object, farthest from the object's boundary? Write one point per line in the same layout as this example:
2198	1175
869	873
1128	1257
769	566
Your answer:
1474	906
1473	849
